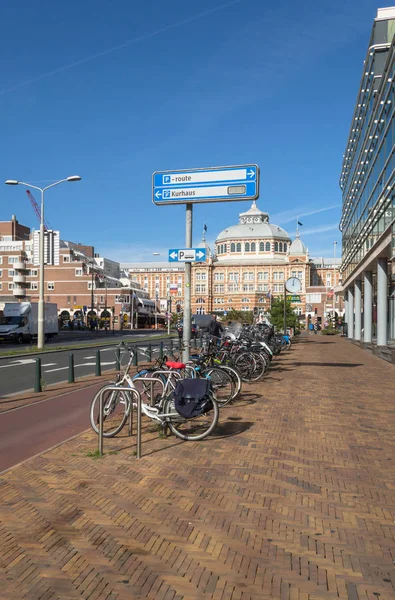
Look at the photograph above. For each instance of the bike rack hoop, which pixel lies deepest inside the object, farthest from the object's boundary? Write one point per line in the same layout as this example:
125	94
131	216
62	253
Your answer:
132	392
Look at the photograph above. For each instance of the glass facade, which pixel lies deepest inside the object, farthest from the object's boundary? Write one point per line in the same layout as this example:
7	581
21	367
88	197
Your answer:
368	172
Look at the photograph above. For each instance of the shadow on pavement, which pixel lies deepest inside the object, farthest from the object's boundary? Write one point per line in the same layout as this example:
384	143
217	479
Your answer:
230	428
313	364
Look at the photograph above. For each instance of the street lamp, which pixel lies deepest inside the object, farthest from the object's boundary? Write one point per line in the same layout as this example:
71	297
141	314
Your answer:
41	306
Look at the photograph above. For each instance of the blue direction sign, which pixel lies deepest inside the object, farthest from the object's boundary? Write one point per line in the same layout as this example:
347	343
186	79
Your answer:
216	184
187	254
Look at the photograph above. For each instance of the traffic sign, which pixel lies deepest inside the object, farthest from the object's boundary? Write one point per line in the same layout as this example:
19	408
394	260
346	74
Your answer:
187	255
215	184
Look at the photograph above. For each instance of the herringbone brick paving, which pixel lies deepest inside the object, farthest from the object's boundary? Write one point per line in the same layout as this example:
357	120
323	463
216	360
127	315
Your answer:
293	498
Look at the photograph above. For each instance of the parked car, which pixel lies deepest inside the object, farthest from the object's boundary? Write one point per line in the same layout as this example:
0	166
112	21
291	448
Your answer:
194	329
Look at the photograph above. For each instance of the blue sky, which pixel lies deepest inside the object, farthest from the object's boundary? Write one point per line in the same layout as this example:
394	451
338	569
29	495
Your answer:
114	91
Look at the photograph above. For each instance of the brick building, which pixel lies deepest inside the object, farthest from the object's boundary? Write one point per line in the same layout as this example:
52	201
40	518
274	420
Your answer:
248	268
83	284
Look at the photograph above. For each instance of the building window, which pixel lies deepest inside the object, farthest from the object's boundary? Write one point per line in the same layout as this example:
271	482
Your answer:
285	247
10	286
328	280
261	247
233	247
313	298
248	287
253	247
247	247
233	276
219	288
275	246
12	260
200	301
1	260
300	274
280	246
1	273
281	275
219	276
245	300
201	276
275	275
11	272
50	285
238	247
248	276
1	286
66	258
199	289
78	272
267	246
34	285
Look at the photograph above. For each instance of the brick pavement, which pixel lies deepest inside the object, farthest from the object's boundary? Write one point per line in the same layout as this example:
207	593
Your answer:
293	498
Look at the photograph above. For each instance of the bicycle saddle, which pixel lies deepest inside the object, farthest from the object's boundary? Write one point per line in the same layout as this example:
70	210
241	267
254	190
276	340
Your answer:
175	365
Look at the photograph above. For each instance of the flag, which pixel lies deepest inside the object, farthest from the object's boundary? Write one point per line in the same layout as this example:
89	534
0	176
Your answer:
269	294
205	227
299	223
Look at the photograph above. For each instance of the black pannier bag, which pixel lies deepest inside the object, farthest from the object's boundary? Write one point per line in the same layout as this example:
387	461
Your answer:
192	397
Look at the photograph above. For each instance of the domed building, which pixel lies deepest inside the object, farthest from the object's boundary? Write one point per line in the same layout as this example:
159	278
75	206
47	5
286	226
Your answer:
251	262
246	269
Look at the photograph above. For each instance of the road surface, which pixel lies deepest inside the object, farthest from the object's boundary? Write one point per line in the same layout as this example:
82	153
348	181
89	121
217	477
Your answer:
17	374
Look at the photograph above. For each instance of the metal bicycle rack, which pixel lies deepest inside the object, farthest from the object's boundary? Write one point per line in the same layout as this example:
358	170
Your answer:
132	393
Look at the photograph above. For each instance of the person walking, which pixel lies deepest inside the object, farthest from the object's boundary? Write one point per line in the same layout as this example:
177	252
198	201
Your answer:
215	328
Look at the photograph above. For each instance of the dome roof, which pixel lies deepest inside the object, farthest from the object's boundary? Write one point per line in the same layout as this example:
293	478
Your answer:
253	224
297	247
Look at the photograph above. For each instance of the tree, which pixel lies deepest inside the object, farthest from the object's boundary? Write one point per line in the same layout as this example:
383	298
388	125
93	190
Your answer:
277	313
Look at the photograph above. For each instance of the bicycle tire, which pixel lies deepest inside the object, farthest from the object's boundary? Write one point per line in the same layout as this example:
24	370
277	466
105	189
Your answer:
202	425
222	383
111	426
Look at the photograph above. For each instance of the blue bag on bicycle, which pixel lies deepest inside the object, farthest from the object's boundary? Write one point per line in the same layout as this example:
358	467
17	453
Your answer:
192	397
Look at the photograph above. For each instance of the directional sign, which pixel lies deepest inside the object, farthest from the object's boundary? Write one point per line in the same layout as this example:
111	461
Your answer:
187	255
216	184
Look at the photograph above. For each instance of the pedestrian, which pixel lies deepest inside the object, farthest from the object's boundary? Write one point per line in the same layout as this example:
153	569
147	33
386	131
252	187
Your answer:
215	329
311	328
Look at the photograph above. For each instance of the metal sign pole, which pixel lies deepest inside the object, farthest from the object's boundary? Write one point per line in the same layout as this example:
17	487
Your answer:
285	310
101	423
187	300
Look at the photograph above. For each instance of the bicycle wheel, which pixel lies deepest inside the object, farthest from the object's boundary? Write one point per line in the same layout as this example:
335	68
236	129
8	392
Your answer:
116	407
194	429
245	364
236	378
222	383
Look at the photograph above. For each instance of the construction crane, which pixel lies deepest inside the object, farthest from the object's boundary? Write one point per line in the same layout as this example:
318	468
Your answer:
36	208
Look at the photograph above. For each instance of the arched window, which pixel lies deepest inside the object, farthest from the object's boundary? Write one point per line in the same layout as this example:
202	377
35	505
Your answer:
247	247
261	300
200	301
253	247
267	246
261	247
275	246
233	247
238	247
230	300
285	247
281	246
218	249
245	300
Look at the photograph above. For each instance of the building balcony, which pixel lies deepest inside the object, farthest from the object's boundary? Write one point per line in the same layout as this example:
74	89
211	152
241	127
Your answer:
19	278
20	266
19	292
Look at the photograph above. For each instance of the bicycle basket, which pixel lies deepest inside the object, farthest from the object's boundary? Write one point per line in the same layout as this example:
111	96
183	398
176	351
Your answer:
192	397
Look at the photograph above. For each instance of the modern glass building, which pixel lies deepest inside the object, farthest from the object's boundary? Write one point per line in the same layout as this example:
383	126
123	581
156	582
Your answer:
367	182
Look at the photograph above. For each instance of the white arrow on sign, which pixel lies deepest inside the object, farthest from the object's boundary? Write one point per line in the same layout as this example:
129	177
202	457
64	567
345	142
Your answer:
200	254
251	173
158	194
173	255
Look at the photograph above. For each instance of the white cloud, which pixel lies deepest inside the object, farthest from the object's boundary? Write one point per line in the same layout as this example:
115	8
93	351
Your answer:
293	214
314	230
